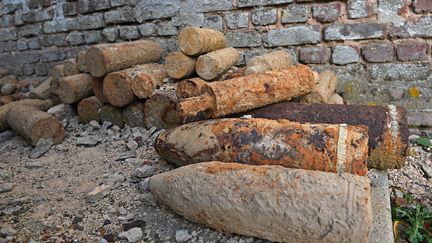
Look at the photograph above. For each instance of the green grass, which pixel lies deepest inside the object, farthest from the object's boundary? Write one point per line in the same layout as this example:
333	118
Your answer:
413	222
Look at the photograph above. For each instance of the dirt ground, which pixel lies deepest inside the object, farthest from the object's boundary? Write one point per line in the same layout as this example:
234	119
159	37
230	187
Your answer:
51	201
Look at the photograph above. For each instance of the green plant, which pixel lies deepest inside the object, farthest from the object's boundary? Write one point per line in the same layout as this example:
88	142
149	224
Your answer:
415	221
424	141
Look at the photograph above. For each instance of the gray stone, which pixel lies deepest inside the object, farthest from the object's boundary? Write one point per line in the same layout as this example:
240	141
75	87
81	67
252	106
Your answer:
126	155
188	19
254	3
182	235
6	187
147	29
111	34
69	9
119	16
427	168
7	230
354	31
295	13
91	37
104	128
360	9
54	40
295	35
8	89
129	32
242	38
144	172
382	230
131	144
5	175
18	18
147	10
237	20
143	185
416	28
62	111
6	135
343	55
34	165
388	11
30	30
75	38
38	15
114	179
22	45
132	235
58	26
396	94
213	22
98	193
135	162
216	5
119	3
87	141
327	12
27	57
420	118
28	69
88	6
33	43
399	71
90	22
264	16
42	146
166	29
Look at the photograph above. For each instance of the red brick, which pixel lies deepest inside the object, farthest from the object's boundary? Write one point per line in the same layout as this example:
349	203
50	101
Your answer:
378	52
411	50
314	55
421	6
327	12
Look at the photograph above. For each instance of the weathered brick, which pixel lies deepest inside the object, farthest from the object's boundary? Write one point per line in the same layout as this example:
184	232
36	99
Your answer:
360	9
343	55
378	52
120	15
75	38
8	34
22	45
400	71
295	35
30	30
213	22
237	20
147	29
326	12
88	6
54	40
166	29
264	16
295	13
314	55
57	26
422	6
38	15
388	11
70	9
417	28
244	38
111	34
91	37
156	10
188	19
254	3
216	5
90	22
129	32
52	55
412	50
354	31
33	43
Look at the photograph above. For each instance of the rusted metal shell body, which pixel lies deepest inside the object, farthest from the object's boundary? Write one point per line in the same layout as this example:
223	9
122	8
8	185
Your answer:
324	147
270	202
388	126
195	41
248	92
190	88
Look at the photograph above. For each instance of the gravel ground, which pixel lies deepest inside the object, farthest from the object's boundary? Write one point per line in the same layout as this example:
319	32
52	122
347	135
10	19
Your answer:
92	188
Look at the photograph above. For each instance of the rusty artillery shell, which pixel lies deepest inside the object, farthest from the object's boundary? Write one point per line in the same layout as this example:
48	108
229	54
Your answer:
248	92
270	202
388	127
331	148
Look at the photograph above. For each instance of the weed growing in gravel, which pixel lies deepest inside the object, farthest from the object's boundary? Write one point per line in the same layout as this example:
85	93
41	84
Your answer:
412	221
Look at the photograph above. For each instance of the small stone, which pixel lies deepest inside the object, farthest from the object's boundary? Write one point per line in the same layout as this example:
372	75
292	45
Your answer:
98	193
137	223
122	211
34	165
427	168
42	146
6	187
148	199
126	155
114	179
398	193
94	124
135	162
5	174
105	126
6	135
182	235
144	172
7	230
8	89
132	145
143	186
62	111
87	141
396	93
132	235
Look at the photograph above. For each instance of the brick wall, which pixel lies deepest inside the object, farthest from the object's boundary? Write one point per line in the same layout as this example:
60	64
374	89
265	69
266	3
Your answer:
381	49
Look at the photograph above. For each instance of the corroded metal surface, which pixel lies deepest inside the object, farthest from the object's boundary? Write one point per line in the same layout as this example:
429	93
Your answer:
270	202
275	142
388	147
248	92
